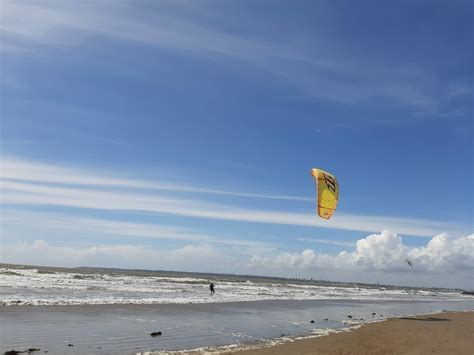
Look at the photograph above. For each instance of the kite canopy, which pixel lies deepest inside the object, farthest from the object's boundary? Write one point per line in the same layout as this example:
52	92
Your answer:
328	192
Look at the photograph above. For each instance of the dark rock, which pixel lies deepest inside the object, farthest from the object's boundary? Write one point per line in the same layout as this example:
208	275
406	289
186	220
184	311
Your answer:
12	352
70	344
311	321
30	350
470	293
155	334
349	316
325	319
374	314
282	334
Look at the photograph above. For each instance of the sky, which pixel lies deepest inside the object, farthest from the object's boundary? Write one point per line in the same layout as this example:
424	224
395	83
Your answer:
179	135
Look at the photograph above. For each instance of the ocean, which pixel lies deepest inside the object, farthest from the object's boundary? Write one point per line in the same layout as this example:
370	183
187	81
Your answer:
115	311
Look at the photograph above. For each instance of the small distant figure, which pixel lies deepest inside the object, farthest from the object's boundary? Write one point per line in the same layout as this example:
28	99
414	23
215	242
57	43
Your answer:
211	287
409	263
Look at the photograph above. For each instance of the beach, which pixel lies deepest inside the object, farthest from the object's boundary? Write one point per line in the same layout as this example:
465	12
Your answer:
442	333
90	311
244	328
236	177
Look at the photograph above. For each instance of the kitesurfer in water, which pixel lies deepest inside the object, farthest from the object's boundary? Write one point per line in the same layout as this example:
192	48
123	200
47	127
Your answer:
211	287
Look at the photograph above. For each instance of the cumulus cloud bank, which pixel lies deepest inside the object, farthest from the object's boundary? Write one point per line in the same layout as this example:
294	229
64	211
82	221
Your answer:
383	252
377	252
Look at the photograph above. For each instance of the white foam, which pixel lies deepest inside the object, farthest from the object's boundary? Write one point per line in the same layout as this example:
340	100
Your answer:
30	287
263	343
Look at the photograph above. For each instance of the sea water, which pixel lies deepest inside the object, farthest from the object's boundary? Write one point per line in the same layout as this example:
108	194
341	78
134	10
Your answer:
104	311
50	286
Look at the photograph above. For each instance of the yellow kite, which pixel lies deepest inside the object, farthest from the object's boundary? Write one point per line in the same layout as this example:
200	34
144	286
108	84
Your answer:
328	192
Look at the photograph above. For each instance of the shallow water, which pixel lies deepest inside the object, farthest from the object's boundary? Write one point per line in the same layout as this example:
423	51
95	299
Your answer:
125	329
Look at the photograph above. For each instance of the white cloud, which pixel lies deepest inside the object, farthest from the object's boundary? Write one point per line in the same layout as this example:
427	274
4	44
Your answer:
105	228
123	255
383	252
25	170
327	241
446	253
44	185
326	71
444	261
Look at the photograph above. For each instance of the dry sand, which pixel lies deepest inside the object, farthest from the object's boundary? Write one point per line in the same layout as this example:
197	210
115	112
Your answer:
445	333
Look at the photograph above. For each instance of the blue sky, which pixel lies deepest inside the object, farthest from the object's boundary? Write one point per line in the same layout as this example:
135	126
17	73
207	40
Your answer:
189	129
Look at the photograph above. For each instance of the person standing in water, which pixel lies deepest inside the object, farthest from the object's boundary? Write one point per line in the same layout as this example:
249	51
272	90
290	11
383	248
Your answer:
211	287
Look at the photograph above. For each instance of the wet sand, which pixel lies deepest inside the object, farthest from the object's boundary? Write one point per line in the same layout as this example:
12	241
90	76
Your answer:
444	333
225	327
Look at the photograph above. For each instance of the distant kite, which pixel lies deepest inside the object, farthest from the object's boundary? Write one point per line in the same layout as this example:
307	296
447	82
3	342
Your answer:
409	263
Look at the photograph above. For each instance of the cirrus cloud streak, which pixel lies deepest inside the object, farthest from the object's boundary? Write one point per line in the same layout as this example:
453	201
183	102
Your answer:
44	185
